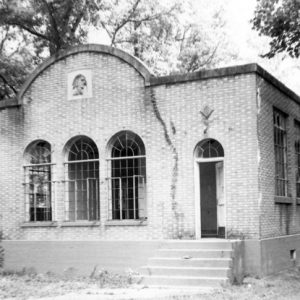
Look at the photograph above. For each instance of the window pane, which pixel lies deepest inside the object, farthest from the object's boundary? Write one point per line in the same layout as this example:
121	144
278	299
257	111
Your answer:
209	148
280	152
128	177
38	185
297	155
82	181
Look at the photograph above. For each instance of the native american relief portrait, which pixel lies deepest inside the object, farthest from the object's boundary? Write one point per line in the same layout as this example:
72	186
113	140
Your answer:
79	84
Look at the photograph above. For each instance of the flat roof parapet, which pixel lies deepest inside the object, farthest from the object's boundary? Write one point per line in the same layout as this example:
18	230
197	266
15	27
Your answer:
225	72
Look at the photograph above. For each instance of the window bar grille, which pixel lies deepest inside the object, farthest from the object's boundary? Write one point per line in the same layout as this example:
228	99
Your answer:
91	192
297	156
116	208
34	201
67	203
280	154
134	204
90	186
97	202
112	207
88	198
139	196
120	198
38	204
80	161
38	165
126	157
76	199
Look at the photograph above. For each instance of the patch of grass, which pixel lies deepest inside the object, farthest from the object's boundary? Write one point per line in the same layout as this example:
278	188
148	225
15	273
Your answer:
103	278
27	283
284	285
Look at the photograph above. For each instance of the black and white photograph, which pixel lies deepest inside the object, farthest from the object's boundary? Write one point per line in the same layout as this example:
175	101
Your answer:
149	149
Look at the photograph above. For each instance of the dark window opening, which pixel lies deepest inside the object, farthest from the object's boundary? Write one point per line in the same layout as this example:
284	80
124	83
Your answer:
128	177
82	183
280	149
297	153
38	182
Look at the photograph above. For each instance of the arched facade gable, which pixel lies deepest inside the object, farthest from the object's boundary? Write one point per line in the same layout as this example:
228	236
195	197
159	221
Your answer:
129	59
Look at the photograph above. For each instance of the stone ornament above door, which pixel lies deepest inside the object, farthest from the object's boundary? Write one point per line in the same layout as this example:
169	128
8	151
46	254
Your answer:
206	113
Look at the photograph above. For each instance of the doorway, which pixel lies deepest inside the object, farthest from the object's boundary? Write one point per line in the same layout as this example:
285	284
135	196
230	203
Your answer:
209	189
212	199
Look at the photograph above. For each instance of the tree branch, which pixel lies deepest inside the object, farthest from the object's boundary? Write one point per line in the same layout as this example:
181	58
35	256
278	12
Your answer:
57	39
183	38
4	39
28	29
9	85
210	58
124	21
77	22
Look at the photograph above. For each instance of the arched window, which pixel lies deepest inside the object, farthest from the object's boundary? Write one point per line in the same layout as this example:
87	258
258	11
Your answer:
82	180
38	183
209	148
127	183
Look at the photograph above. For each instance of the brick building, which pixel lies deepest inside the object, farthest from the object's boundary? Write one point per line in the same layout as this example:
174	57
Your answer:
96	151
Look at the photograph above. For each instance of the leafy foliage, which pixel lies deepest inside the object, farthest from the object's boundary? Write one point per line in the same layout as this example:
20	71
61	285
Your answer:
53	24
15	62
279	20
33	29
166	35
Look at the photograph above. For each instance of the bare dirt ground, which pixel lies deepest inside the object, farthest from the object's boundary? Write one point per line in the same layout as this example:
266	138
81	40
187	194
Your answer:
104	285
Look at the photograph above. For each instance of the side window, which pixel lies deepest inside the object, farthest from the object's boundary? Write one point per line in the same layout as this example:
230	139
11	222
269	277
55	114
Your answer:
280	147
38	182
82	180
297	154
127	181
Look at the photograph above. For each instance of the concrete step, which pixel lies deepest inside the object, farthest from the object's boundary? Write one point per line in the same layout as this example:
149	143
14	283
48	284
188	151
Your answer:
194	253
192	262
182	281
196	244
187	272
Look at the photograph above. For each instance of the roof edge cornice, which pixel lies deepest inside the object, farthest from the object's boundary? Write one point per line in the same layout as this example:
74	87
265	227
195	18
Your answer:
225	72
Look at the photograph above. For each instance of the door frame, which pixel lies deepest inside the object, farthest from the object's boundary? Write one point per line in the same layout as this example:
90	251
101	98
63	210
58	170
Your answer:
197	163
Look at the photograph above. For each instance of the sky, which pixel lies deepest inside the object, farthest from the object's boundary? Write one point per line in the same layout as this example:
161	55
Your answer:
251	45
247	42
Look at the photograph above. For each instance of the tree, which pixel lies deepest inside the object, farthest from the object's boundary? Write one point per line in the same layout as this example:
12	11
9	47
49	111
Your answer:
31	30
279	20
15	62
53	24
166	35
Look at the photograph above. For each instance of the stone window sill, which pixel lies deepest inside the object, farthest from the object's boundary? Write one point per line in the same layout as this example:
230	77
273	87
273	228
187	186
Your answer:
126	223
38	224
283	200
80	224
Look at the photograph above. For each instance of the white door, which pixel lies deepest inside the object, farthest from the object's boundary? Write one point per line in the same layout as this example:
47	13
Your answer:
220	194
